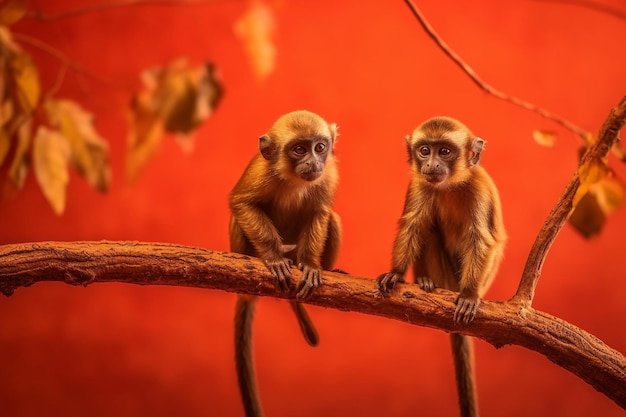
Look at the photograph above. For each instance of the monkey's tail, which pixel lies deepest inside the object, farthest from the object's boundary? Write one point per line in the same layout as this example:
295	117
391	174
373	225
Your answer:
462	352
306	325
244	315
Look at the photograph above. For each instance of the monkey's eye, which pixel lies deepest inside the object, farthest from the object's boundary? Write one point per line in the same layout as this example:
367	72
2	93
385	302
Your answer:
299	150
424	151
445	152
320	147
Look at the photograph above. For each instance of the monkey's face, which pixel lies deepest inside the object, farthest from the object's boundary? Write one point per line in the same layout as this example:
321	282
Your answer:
308	157
435	159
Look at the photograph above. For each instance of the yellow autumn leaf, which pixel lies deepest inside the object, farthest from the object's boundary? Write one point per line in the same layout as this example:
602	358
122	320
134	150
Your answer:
610	193
5	144
146	133
256	29
6	112
11	11
594	170
89	151
51	154
545	138
26	80
19	166
7	45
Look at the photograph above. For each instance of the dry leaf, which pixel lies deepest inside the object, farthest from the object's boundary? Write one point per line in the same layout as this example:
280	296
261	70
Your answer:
175	99
11	11
6	112
5	144
89	151
26	81
145	135
587	218
602	200
618	151
256	29
599	195
545	138
51	154
19	166
590	173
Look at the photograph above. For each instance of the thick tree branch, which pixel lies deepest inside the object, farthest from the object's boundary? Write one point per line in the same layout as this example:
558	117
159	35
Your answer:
499	323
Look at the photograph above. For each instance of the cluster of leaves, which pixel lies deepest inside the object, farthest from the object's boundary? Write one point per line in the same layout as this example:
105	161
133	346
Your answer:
600	193
47	133
52	134
175	99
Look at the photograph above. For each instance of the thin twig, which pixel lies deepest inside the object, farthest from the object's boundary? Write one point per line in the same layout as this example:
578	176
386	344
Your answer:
108	6
592	5
486	87
66	61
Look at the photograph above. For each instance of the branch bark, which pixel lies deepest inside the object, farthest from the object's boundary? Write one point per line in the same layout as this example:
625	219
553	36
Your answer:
499	323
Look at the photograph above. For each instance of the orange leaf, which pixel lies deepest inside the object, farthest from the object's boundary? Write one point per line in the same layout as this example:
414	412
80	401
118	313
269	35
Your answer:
545	138
5	144
26	79
19	166
6	112
610	193
256	29
12	11
594	170
51	154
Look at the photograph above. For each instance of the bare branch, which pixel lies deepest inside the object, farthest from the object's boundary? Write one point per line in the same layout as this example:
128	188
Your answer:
94	8
66	61
499	323
592	5
607	137
486	87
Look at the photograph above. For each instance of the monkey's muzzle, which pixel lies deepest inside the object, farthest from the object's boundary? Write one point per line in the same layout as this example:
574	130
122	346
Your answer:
435	178
311	175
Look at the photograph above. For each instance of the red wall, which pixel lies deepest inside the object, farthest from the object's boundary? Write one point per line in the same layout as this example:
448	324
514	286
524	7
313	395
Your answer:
124	350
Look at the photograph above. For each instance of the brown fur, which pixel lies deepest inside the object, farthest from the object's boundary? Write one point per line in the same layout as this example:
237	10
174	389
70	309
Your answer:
451	230
276	207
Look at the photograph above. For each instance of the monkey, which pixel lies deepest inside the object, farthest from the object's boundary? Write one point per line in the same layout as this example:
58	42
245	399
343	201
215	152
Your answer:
282	212
451	230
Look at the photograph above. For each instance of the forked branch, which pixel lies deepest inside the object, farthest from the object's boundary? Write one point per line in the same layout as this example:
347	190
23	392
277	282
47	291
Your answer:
607	137
499	323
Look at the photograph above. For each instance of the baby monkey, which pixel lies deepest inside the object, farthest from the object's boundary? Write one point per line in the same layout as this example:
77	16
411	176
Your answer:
451	230
282	213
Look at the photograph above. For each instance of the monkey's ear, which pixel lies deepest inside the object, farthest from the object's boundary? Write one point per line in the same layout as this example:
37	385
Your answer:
267	147
476	148
332	127
407	139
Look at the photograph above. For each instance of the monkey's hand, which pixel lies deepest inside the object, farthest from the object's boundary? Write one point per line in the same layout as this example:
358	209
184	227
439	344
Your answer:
425	283
387	281
281	269
466	307
311	279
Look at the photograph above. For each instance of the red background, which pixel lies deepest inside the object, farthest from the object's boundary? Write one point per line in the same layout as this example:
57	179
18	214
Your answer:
125	350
